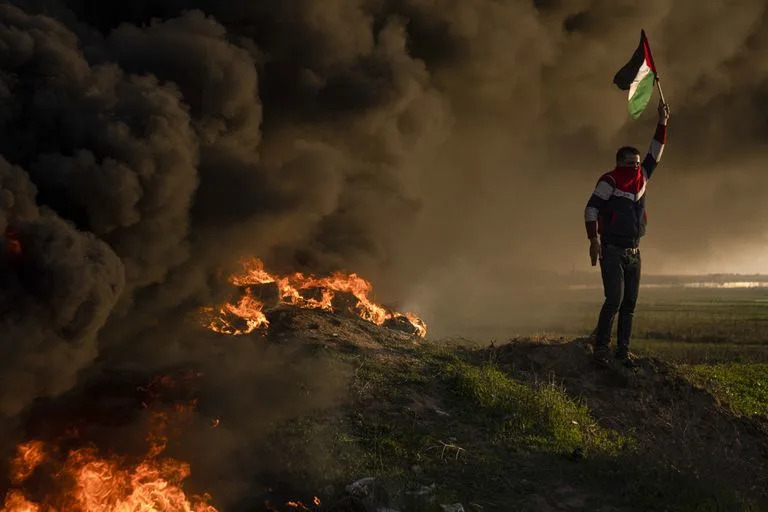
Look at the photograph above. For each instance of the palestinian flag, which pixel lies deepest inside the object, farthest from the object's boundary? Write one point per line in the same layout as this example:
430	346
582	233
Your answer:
638	77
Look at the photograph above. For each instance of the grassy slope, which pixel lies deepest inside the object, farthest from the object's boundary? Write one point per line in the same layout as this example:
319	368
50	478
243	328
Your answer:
719	337
490	432
743	386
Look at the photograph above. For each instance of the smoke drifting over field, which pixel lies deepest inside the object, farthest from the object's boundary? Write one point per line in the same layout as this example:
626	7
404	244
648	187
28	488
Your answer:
434	147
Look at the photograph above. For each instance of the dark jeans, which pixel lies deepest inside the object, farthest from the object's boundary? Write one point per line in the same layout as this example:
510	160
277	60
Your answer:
620	269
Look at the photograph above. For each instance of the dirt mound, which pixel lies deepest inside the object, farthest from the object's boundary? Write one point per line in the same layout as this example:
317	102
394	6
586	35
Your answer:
673	422
672	419
332	330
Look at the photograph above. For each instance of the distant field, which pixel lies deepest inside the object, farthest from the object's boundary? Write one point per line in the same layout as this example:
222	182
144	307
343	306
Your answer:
690	325
676	321
692	315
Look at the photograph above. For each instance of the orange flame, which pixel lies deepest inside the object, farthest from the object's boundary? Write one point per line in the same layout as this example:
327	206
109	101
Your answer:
298	505
97	484
418	324
29	456
290	289
86	481
15	501
12	242
152	485
248	309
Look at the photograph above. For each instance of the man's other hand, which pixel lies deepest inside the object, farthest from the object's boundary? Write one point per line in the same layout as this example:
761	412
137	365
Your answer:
594	250
663	112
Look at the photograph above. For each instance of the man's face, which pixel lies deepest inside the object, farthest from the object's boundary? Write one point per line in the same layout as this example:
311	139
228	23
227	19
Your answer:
630	160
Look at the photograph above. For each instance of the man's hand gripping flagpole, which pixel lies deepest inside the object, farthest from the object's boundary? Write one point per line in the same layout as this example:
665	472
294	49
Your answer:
663	107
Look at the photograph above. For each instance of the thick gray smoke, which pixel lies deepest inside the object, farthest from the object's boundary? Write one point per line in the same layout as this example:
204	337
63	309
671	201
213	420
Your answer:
56	294
437	147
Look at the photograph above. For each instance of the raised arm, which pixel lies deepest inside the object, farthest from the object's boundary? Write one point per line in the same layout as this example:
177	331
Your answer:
657	143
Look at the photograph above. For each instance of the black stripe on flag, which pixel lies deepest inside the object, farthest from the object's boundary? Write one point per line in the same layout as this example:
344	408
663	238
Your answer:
624	77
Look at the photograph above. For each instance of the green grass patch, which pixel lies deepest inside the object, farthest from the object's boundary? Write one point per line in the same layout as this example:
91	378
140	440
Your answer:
539	416
451	418
743	386
694	353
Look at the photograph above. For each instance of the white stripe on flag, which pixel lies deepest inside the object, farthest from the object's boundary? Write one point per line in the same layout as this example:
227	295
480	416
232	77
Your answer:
641	73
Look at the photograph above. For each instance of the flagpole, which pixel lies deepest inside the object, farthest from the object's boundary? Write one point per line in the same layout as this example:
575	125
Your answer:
661	94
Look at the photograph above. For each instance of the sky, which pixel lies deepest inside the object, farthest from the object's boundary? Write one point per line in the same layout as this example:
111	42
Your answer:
441	148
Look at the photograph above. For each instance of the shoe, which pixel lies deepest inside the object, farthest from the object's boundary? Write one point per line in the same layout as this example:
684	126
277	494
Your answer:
626	360
600	356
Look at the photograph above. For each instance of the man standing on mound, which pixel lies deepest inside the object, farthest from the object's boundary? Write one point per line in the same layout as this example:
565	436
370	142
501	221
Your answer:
615	220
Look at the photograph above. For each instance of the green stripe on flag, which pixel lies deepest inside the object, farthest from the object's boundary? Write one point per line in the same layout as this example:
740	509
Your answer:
642	96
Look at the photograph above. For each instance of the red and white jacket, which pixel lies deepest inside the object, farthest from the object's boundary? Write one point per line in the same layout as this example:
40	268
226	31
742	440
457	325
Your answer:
616	209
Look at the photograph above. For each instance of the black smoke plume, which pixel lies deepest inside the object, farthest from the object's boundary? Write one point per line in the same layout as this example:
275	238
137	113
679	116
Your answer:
441	149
